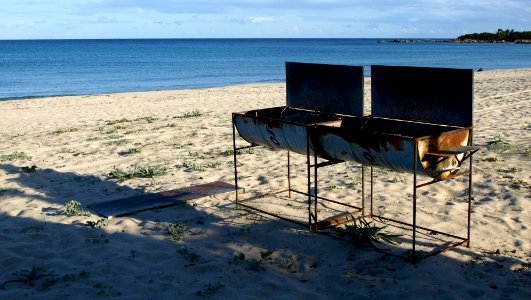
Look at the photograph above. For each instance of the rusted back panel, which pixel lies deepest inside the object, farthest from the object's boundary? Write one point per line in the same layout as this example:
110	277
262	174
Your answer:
326	88
435	95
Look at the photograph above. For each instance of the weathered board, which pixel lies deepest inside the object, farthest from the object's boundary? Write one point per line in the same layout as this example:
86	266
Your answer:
127	206
325	88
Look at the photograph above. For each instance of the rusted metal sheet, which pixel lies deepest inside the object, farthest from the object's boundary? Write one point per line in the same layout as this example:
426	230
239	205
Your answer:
434	95
391	144
441	167
326	88
372	141
280	128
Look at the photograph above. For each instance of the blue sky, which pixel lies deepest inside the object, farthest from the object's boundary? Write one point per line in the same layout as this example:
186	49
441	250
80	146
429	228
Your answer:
60	19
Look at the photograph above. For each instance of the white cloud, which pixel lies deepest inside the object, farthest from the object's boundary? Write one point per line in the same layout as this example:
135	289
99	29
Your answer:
22	24
409	29
373	27
261	20
106	20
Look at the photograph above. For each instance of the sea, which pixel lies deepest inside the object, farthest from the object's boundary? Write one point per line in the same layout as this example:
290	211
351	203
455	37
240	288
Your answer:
39	68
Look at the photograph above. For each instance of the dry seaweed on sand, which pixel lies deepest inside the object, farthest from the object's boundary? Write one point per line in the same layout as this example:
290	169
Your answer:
363	233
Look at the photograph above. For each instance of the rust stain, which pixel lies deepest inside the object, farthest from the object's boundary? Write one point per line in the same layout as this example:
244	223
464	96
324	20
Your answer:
447	140
435	166
398	144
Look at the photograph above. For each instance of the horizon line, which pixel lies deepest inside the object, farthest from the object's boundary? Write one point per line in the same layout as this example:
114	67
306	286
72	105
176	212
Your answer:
237	38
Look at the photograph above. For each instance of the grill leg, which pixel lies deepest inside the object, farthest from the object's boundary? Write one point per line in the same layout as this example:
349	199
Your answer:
235	160
363	190
289	178
372	182
469	202
315	192
470	142
414	202
308	174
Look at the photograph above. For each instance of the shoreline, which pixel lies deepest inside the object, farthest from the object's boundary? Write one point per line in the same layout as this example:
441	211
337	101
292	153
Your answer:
138	91
60	149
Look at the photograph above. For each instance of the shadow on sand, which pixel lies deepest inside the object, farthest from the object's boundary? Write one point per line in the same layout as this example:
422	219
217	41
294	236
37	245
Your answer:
219	254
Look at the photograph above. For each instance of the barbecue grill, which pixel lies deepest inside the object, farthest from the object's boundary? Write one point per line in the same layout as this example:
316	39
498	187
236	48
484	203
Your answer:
315	93
421	123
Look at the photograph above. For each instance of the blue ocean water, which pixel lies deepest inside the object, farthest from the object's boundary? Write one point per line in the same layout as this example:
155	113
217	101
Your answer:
34	68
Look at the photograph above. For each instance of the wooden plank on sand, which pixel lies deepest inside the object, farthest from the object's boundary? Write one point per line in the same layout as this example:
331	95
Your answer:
127	206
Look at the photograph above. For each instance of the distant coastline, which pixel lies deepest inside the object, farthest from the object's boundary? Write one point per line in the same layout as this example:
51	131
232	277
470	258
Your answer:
466	41
501	36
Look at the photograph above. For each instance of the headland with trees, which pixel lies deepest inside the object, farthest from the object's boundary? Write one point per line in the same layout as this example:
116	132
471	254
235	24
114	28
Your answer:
500	36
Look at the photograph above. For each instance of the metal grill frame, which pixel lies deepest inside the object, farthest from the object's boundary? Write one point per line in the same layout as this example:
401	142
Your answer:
312	163
408	93
470	150
315	225
322	88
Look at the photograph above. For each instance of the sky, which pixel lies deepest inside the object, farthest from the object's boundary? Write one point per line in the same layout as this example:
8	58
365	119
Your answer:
82	19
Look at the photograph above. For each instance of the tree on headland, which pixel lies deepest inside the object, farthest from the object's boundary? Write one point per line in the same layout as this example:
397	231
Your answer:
500	36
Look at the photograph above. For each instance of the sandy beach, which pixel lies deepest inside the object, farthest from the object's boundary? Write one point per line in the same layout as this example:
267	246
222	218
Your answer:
81	148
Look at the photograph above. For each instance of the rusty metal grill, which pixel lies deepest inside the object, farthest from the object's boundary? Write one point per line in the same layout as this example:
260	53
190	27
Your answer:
421	123
316	93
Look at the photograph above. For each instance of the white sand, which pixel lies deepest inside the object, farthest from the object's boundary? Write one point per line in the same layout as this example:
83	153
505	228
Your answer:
76	141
